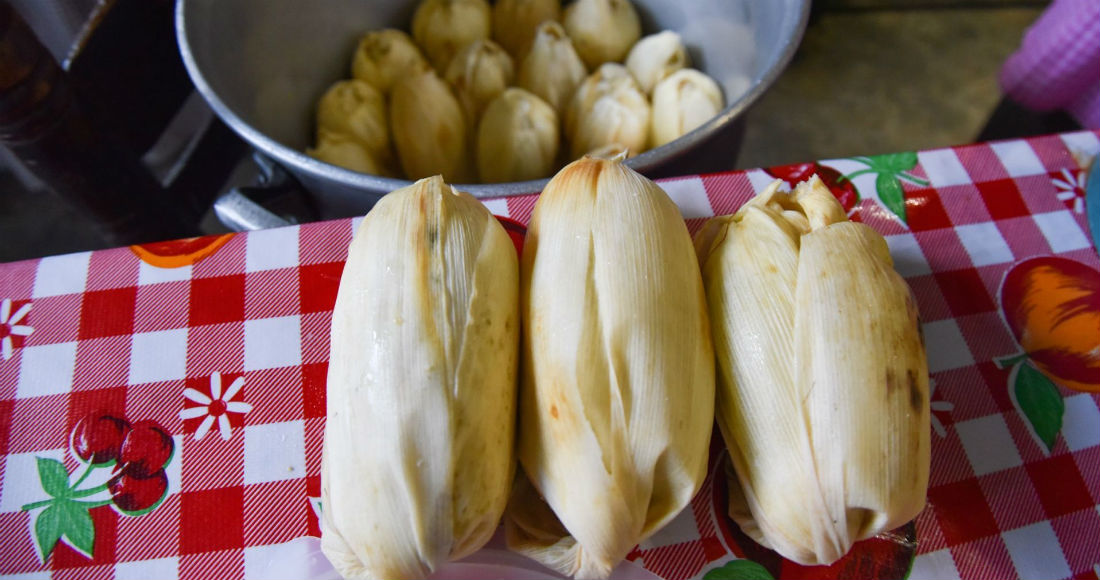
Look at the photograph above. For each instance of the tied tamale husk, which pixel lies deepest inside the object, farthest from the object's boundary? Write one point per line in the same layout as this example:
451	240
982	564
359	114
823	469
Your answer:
617	387
418	460
822	374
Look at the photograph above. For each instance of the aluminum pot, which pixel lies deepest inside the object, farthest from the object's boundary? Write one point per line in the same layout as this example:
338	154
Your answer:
262	65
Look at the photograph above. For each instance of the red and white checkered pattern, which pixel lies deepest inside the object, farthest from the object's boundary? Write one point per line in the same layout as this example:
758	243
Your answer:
113	332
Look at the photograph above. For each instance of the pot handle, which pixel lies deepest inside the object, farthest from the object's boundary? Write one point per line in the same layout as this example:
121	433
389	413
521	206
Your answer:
246	208
237	211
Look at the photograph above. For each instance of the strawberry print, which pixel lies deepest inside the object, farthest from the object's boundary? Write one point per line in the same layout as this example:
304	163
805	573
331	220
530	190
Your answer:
889	170
844	190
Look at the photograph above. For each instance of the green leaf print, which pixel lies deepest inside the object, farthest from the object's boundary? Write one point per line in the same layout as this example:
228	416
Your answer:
894	162
890	169
1039	401
78	526
739	570
54	477
48	529
891	195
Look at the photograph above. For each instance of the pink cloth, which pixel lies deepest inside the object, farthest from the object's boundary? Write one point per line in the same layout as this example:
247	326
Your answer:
1058	63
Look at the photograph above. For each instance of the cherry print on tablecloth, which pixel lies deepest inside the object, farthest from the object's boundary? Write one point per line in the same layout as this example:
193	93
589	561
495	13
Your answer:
135	494
97	437
134	457
146	449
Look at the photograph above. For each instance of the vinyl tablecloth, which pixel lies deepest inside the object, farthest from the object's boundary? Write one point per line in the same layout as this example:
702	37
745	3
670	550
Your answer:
222	343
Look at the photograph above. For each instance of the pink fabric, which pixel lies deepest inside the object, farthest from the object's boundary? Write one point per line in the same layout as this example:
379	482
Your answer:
1058	63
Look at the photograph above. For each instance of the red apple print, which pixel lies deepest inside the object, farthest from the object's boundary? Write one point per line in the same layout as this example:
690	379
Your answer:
842	188
146	449
135	494
98	437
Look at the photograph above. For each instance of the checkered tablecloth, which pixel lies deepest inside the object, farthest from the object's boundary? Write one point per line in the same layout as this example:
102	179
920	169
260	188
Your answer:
225	347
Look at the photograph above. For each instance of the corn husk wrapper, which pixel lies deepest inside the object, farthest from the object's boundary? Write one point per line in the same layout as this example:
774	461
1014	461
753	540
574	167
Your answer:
823	381
429	129
552	69
515	23
656	56
683	101
609	151
441	28
621	117
384	56
617	387
417	462
479	73
605	80
342	151
357	110
602	30
518	138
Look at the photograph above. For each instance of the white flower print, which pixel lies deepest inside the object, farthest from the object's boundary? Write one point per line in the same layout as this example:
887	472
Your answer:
9	326
941	405
216	407
1071	188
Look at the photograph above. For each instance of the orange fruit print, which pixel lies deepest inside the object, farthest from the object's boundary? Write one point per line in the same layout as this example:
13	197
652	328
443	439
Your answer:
1052	306
178	253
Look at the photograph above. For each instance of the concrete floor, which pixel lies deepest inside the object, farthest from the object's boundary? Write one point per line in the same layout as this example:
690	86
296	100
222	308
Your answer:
875	81
871	76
